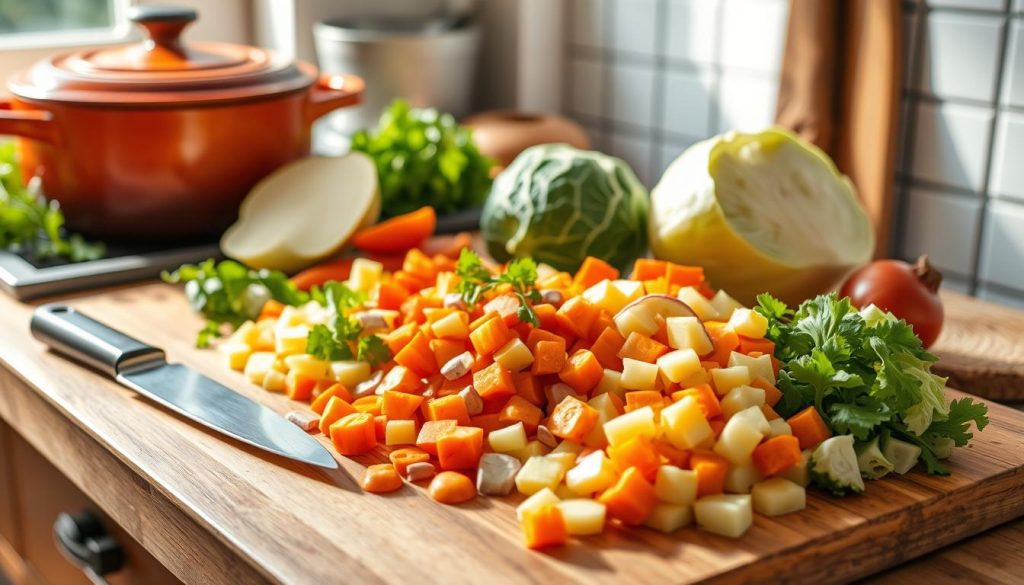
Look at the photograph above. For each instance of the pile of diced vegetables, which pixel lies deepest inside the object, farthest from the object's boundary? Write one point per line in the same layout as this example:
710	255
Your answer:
642	401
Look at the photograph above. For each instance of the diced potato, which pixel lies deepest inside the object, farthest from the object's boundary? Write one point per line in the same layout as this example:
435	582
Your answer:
688	332
605	407
611	381
350	373
400	432
725	305
582	516
509	439
568	447
307	365
316	314
740	477
741	398
257	366
537	501
667	517
291	340
676	486
514	355
246	334
564	458
638	423
699	377
642	322
275	381
679	365
684	423
630	290
737	441
696	301
290	317
365	274
532	449
592	473
638	375
779	427
728	515
755	416
451	326
539	473
605	296
778	496
725	379
760	367
264	338
564	493
799	473
749	323
236	354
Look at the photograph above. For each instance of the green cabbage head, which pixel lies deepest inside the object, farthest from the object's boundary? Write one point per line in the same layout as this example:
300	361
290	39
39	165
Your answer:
558	205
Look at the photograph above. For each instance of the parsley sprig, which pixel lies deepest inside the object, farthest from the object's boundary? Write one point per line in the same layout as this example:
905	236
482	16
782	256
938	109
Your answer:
343	339
520	275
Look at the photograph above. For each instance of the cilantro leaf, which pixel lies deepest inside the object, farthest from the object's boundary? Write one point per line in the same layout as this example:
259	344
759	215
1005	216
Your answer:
337	297
818	372
957	424
858	420
322	344
520	274
373	350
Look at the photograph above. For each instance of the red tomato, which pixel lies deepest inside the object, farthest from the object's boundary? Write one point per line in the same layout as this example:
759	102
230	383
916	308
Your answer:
909	291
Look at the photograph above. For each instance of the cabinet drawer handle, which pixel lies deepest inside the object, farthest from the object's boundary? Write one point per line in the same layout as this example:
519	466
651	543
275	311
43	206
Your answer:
83	540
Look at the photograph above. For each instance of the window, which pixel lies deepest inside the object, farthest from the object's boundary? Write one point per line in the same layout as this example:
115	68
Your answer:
51	23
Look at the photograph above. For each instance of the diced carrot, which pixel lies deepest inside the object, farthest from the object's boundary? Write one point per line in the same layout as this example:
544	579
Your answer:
487	422
537	335
449	246
406	456
648	269
507	306
401	379
592	271
432	315
413	284
528	387
336	409
711	470
572	419
671	454
451	487
544	527
494	382
368	404
748	345
769	412
380	427
446	349
431	431
299	387
354	434
451	407
480	362
808	426
271	310
546	315
482	319
390	295
706	398
642	348
603	321
582	371
772	395
398	234
777	454
680	276
381	478
607	346
724	339
399	405
632	499
417	356
518	409
577	315
638	452
400	337
336	270
580	344
548	357
420	265
461	448
640	398
716	425
320	402
490	336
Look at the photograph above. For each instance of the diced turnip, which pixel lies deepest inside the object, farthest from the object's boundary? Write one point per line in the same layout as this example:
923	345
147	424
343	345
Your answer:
638	375
748	323
582	516
350	373
679	365
779	427
648	314
698	302
257	366
514	355
759	367
236	354
291	340
667	517
799	473
755	417
638	423
539	473
451	326
400	432
592	473
741	398
611	381
725	305
308	365
538	500
688	332
365	274
778	496
737	441
727	515
676	486
725	379
684	423
739	478
508	439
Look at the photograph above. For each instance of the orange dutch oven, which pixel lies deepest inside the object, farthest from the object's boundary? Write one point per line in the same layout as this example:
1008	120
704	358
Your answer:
164	139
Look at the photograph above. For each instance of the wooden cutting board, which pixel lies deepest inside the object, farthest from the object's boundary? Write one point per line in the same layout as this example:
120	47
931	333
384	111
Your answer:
981	348
295	524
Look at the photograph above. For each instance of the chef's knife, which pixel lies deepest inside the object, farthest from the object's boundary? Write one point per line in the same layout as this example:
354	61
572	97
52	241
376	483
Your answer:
144	369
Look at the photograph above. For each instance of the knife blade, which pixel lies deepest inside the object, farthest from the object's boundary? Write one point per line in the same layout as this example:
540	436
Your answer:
145	370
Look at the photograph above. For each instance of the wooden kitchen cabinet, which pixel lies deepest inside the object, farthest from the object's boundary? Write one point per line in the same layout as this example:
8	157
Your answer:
36	493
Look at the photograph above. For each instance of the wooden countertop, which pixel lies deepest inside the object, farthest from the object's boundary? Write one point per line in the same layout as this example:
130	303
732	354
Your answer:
216	511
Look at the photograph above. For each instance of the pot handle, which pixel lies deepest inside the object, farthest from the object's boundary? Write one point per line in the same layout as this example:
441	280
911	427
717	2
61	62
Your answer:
332	92
35	124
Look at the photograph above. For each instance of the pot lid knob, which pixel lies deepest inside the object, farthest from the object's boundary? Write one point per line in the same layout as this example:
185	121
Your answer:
164	25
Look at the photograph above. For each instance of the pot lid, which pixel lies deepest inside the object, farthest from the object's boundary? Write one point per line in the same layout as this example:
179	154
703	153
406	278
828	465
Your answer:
162	69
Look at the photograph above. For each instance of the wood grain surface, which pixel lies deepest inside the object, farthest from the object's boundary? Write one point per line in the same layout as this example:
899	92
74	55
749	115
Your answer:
982	348
216	511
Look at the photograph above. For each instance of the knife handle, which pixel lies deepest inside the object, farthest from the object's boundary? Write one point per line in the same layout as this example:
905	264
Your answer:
89	341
